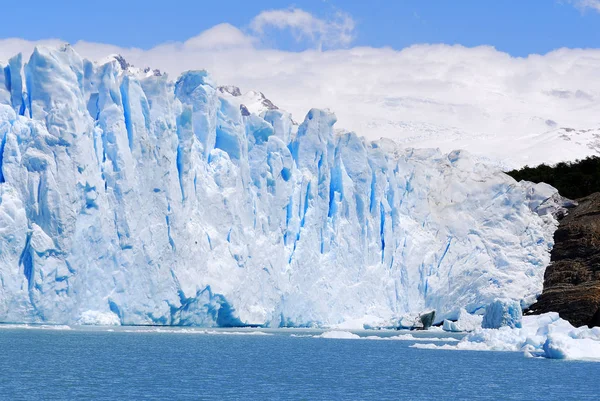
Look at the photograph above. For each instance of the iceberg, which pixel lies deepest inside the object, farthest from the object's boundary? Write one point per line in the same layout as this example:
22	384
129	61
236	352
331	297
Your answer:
165	202
502	312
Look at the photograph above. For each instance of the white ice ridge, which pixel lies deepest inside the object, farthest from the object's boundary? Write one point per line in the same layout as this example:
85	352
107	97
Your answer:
130	195
545	336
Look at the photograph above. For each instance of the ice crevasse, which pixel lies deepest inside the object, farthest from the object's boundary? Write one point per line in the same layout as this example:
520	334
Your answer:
141	200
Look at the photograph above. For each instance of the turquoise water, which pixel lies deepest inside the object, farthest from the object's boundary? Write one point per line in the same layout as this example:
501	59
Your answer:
93	364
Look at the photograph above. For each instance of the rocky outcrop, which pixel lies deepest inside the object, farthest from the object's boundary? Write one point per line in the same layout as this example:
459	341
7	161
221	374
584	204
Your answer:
572	280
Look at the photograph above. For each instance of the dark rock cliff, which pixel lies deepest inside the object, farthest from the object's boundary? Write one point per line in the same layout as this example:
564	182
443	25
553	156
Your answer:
572	280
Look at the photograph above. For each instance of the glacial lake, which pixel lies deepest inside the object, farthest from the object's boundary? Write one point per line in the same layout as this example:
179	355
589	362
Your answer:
161	364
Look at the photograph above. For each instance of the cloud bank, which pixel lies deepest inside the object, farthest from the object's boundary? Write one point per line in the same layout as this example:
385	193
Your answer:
508	109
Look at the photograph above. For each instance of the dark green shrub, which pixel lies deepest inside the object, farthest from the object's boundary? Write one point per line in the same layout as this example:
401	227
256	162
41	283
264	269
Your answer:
573	179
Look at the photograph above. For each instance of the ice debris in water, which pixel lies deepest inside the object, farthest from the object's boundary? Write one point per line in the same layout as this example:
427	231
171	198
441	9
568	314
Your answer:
346	335
157	202
545	336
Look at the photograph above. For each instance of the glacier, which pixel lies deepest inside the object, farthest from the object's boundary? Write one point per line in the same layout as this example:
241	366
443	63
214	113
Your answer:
130	198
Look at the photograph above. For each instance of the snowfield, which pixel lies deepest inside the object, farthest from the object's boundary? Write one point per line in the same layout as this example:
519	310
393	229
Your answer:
127	197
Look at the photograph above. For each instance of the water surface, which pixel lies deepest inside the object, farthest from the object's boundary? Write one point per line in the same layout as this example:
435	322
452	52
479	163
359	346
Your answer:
189	365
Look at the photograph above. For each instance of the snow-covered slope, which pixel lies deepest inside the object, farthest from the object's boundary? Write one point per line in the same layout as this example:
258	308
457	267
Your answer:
249	103
125	195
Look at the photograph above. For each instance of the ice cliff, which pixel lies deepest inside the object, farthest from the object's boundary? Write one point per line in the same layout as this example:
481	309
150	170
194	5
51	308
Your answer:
127	197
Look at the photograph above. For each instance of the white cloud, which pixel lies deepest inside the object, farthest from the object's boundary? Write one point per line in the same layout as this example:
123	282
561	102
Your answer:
587	4
425	95
337	31
219	37
11	46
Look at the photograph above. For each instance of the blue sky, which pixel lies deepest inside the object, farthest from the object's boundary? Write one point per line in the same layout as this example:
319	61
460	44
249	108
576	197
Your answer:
515	26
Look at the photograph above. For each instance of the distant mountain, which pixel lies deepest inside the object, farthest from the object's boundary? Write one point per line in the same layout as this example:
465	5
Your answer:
250	102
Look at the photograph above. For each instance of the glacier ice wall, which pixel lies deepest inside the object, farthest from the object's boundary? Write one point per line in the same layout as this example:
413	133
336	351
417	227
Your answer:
130	195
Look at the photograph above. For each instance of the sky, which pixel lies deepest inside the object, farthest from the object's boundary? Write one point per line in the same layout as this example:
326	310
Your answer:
469	74
514	26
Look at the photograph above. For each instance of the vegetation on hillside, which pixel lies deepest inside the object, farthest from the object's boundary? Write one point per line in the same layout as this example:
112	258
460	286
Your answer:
573	179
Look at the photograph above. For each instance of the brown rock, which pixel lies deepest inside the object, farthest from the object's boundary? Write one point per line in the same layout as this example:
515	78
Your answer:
572	280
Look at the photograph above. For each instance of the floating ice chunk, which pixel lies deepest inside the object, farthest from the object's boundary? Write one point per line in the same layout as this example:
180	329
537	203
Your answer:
343	335
465	322
238	333
410	337
502	312
567	346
